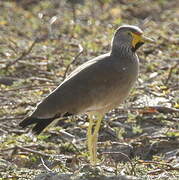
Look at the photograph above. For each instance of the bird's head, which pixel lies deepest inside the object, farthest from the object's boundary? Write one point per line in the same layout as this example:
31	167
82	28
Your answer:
129	36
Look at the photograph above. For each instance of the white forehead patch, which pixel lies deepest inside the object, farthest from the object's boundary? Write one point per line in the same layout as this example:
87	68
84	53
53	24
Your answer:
130	27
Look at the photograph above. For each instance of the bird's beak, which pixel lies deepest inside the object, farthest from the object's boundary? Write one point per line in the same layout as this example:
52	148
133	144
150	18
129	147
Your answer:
146	39
139	38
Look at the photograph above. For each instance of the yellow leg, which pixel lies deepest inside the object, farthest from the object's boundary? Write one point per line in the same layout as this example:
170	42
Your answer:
92	139
95	139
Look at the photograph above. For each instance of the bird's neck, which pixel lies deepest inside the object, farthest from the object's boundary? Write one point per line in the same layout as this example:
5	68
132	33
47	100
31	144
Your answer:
122	50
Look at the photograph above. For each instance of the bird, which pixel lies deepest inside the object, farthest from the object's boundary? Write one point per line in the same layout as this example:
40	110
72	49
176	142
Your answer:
94	88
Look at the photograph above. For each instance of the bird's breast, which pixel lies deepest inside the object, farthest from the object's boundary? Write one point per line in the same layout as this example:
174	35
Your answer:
116	87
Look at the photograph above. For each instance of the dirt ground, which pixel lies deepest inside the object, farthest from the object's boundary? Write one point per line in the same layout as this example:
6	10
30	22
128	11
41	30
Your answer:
43	41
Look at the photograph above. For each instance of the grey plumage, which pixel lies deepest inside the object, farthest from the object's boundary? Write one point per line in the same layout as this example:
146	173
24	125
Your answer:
96	86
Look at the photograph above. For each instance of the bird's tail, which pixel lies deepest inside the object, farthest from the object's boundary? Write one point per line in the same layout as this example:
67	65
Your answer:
40	124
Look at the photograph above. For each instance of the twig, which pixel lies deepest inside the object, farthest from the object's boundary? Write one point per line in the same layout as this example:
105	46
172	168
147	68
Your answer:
33	151
25	53
3	131
161	109
41	86
144	22
11	148
11	177
73	6
158	137
45	166
159	170
74	59
155	162
126	156
111	153
10	118
170	73
149	91
39	153
63	134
